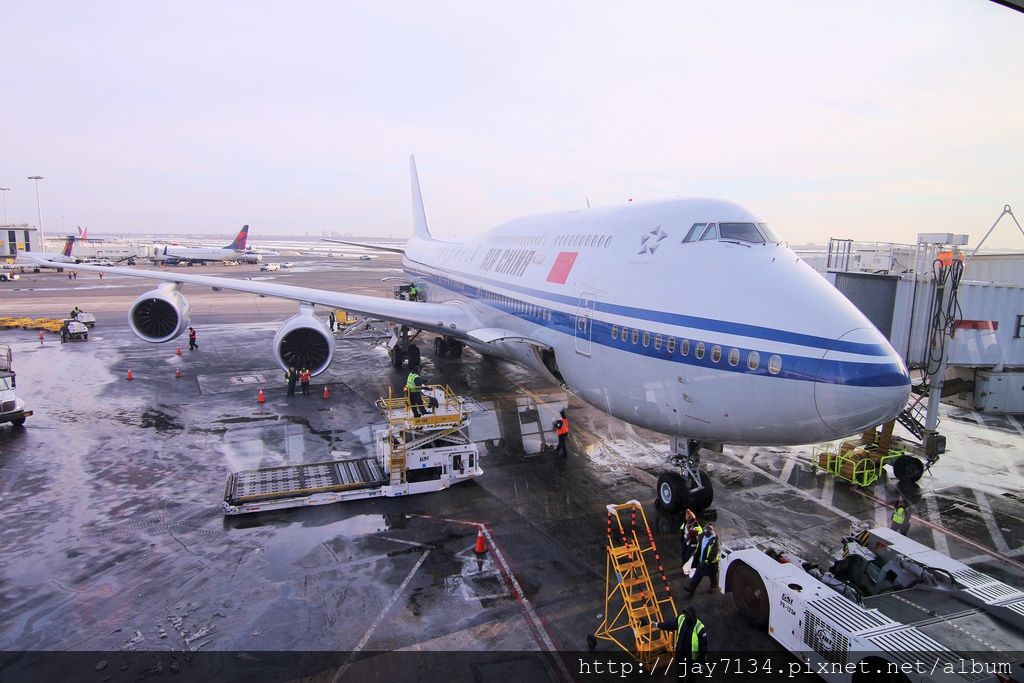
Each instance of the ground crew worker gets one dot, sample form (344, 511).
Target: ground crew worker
(413, 292)
(291, 377)
(691, 638)
(414, 385)
(304, 376)
(689, 535)
(74, 312)
(901, 513)
(331, 320)
(192, 346)
(562, 430)
(706, 561)
(64, 333)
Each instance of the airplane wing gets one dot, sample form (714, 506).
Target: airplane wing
(392, 250)
(452, 319)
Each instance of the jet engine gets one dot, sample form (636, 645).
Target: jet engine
(304, 342)
(160, 315)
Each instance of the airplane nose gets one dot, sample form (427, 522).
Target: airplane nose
(861, 382)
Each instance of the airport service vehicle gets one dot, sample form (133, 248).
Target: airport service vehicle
(889, 605)
(269, 267)
(414, 455)
(87, 319)
(614, 305)
(287, 264)
(12, 408)
(364, 257)
(6, 276)
(72, 330)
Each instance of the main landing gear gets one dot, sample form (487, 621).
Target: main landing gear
(690, 488)
(447, 346)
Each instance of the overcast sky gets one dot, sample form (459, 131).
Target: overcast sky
(874, 120)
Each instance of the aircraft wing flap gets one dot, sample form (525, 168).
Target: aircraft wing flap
(451, 319)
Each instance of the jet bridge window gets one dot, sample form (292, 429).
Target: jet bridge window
(743, 232)
(775, 364)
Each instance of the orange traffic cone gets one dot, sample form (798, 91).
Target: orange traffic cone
(327, 394)
(481, 545)
(177, 373)
(129, 376)
(260, 398)
(178, 352)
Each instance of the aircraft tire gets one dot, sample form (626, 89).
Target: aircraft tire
(673, 493)
(413, 353)
(440, 347)
(18, 422)
(397, 357)
(701, 500)
(907, 469)
(454, 348)
(748, 594)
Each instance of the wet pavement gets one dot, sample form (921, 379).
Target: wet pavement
(114, 539)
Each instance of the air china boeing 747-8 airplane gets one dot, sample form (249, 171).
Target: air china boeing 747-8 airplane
(688, 317)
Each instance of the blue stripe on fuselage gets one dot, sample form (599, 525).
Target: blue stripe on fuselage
(795, 367)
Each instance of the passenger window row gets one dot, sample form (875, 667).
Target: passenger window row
(519, 239)
(531, 310)
(583, 240)
(628, 335)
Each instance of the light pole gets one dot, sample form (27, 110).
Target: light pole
(4, 190)
(39, 210)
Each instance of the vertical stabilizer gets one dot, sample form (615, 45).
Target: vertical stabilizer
(240, 238)
(419, 216)
(68, 244)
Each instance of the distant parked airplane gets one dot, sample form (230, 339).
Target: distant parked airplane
(235, 251)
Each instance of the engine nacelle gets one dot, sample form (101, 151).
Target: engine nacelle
(160, 315)
(304, 342)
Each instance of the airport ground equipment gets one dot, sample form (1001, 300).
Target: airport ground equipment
(12, 408)
(632, 608)
(862, 463)
(888, 604)
(72, 330)
(42, 324)
(8, 276)
(413, 455)
(87, 319)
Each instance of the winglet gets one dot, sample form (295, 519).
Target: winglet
(419, 215)
(240, 238)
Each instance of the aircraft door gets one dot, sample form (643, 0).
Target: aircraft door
(584, 322)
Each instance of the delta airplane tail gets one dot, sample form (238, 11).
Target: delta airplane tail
(240, 238)
(68, 244)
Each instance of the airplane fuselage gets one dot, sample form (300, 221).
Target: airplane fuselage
(731, 338)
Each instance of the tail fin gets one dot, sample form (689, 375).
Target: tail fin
(240, 238)
(68, 244)
(82, 234)
(419, 216)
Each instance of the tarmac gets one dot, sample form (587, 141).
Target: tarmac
(115, 543)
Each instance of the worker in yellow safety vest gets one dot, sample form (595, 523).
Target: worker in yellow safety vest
(414, 385)
(691, 636)
(901, 516)
(705, 562)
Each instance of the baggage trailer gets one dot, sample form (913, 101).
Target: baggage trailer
(12, 408)
(889, 609)
(413, 455)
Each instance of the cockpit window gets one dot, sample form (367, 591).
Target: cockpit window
(695, 232)
(710, 233)
(744, 232)
(768, 233)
